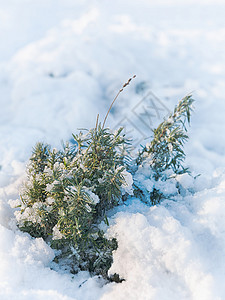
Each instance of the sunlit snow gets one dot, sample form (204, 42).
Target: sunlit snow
(61, 63)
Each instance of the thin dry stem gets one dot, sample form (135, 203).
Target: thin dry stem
(125, 84)
(96, 126)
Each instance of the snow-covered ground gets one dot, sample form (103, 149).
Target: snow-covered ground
(61, 63)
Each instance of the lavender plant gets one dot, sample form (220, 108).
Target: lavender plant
(68, 192)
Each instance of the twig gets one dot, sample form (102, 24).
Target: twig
(125, 84)
(96, 126)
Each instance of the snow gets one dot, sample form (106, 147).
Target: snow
(127, 186)
(62, 63)
(94, 198)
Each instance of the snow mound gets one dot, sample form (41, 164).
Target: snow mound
(171, 251)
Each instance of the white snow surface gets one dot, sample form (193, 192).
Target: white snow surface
(61, 63)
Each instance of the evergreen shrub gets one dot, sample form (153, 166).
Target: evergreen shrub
(68, 192)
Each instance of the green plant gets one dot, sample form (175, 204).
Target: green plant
(68, 192)
(165, 151)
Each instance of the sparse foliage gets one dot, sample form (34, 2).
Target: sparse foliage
(165, 151)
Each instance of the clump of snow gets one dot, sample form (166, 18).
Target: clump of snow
(172, 251)
(50, 200)
(127, 186)
(25, 272)
(95, 199)
(185, 180)
(57, 235)
(30, 214)
(5, 213)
